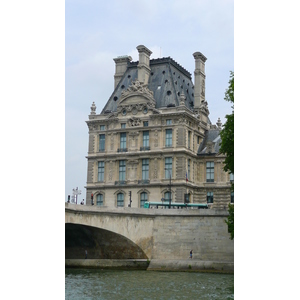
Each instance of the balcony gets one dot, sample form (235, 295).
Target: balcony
(122, 149)
(147, 181)
(120, 182)
(146, 148)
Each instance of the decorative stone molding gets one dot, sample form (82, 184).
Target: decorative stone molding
(156, 138)
(92, 126)
(204, 107)
(112, 140)
(155, 168)
(132, 169)
(110, 170)
(133, 121)
(138, 89)
(133, 140)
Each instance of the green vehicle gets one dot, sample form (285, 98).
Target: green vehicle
(166, 204)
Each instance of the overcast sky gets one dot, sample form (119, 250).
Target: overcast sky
(98, 31)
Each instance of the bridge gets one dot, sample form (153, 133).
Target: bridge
(151, 234)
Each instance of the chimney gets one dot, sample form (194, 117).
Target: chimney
(199, 77)
(144, 64)
(121, 67)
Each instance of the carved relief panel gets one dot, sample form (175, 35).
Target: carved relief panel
(111, 165)
(155, 168)
(112, 140)
(133, 140)
(132, 166)
(156, 138)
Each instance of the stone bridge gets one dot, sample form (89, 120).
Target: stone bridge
(135, 233)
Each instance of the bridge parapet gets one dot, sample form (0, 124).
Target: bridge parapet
(144, 212)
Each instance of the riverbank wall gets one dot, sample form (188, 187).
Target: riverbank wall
(186, 265)
(111, 264)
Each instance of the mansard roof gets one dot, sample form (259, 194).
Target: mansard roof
(213, 139)
(167, 81)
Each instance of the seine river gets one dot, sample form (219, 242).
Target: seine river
(106, 284)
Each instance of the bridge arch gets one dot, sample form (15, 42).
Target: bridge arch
(99, 243)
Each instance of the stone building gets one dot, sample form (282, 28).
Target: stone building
(153, 140)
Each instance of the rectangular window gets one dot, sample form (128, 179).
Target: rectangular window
(169, 122)
(198, 139)
(145, 124)
(189, 139)
(123, 140)
(122, 170)
(168, 167)
(210, 171)
(231, 177)
(101, 171)
(232, 197)
(168, 137)
(189, 170)
(102, 127)
(123, 125)
(101, 142)
(145, 169)
(210, 197)
(145, 138)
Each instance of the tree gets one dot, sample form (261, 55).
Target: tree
(229, 221)
(227, 133)
(227, 148)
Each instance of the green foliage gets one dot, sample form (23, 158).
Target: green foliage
(227, 133)
(230, 220)
(229, 94)
(227, 148)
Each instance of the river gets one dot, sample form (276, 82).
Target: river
(107, 284)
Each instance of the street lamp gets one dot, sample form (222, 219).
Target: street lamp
(170, 199)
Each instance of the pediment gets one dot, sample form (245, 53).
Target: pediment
(137, 93)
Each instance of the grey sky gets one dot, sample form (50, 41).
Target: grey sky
(98, 31)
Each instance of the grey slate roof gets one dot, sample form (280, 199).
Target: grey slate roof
(211, 135)
(167, 81)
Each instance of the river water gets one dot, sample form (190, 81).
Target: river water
(107, 284)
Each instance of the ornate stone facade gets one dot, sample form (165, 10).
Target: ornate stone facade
(152, 130)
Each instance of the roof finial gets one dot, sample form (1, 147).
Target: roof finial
(93, 109)
(182, 98)
(219, 123)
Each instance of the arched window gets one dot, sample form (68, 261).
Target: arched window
(144, 198)
(120, 200)
(99, 200)
(167, 196)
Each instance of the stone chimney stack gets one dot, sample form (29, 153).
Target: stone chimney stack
(199, 89)
(121, 67)
(144, 64)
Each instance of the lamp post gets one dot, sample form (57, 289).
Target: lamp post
(170, 199)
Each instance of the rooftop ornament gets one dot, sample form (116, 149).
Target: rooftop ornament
(93, 109)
